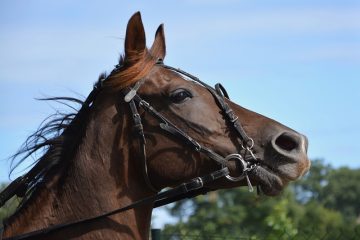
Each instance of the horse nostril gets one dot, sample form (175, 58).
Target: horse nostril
(287, 141)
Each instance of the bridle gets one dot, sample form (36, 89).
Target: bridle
(246, 162)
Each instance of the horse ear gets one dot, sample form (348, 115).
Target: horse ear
(135, 41)
(158, 49)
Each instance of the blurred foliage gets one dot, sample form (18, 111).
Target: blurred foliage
(10, 207)
(323, 205)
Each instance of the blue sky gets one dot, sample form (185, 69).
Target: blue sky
(295, 61)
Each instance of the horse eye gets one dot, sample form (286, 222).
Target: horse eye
(180, 95)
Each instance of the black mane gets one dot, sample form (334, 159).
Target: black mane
(56, 141)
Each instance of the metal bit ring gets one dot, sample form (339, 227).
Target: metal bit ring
(244, 164)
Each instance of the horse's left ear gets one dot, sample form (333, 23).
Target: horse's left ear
(158, 49)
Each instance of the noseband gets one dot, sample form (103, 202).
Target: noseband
(246, 161)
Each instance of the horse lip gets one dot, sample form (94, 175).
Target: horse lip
(270, 182)
(273, 187)
(270, 179)
(272, 170)
(269, 168)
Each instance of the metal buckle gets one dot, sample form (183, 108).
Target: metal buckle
(136, 115)
(131, 94)
(144, 103)
(201, 182)
(194, 184)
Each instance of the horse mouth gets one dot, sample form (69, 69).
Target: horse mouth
(269, 180)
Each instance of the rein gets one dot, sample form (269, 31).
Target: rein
(194, 187)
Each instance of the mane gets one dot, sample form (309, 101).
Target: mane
(57, 138)
(56, 141)
(131, 69)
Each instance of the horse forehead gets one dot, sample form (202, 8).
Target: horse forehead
(160, 78)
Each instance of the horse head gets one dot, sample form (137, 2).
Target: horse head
(277, 153)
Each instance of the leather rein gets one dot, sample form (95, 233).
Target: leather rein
(194, 187)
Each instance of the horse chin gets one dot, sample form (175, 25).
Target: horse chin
(269, 181)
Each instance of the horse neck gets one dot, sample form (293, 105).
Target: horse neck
(102, 176)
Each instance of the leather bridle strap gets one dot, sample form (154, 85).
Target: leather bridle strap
(162, 198)
(171, 128)
(166, 125)
(247, 142)
(139, 130)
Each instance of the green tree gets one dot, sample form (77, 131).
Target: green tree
(280, 222)
(336, 189)
(311, 186)
(342, 192)
(321, 206)
(10, 207)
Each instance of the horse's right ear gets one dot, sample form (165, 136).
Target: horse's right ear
(135, 42)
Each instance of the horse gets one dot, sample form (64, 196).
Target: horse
(148, 134)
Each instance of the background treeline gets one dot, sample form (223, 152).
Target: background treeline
(325, 204)
(9, 206)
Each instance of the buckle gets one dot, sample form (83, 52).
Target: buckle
(195, 184)
(131, 94)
